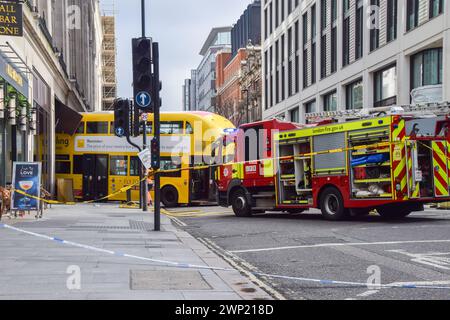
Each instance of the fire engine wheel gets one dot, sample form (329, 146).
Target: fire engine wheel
(239, 202)
(393, 213)
(332, 205)
(169, 197)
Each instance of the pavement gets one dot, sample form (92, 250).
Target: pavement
(33, 267)
(413, 251)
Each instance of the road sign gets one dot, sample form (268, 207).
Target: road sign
(143, 99)
(120, 132)
(146, 158)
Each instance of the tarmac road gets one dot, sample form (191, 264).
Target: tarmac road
(412, 251)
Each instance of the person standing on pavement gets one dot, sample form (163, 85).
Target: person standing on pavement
(150, 185)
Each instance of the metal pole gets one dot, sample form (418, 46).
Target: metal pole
(144, 127)
(157, 133)
(143, 17)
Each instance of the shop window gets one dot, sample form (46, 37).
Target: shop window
(435, 8)
(412, 14)
(426, 68)
(391, 33)
(354, 95)
(385, 82)
(330, 102)
(119, 166)
(295, 115)
(97, 127)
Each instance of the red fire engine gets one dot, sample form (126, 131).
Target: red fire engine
(350, 163)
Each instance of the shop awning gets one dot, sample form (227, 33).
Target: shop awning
(67, 119)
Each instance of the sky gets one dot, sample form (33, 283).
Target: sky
(180, 27)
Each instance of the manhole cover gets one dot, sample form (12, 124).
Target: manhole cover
(167, 280)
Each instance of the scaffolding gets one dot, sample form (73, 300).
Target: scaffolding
(109, 55)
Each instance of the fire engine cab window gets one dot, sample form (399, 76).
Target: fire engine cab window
(252, 144)
(119, 166)
(97, 128)
(175, 127)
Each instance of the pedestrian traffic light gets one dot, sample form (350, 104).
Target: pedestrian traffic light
(156, 161)
(142, 73)
(122, 118)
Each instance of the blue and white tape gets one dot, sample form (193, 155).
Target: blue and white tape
(199, 267)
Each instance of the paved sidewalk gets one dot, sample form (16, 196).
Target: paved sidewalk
(36, 268)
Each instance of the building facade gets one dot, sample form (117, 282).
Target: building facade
(247, 28)
(238, 71)
(47, 76)
(323, 55)
(202, 84)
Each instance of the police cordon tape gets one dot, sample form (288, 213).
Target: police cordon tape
(203, 167)
(181, 265)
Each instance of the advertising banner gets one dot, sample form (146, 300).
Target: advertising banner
(26, 178)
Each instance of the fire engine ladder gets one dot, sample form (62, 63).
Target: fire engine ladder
(425, 110)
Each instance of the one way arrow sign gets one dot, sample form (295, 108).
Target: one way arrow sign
(143, 99)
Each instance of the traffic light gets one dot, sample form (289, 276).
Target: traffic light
(142, 73)
(156, 161)
(122, 118)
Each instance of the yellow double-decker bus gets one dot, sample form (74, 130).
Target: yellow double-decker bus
(97, 163)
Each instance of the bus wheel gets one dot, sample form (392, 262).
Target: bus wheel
(393, 213)
(332, 205)
(239, 202)
(169, 197)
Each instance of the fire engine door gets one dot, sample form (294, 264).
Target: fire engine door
(440, 168)
(414, 174)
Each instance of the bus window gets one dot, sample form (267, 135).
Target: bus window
(135, 166)
(111, 126)
(171, 163)
(80, 129)
(173, 127)
(119, 166)
(77, 164)
(189, 128)
(97, 127)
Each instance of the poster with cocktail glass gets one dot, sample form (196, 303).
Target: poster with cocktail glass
(27, 179)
